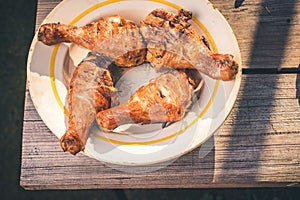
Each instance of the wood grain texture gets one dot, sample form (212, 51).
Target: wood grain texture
(258, 145)
(268, 31)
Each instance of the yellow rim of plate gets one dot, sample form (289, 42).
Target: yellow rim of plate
(65, 110)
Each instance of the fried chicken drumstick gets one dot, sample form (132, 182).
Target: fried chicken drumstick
(164, 99)
(113, 36)
(91, 90)
(173, 42)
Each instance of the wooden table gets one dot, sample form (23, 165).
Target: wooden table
(258, 146)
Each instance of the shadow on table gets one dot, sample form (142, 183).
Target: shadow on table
(268, 33)
(238, 3)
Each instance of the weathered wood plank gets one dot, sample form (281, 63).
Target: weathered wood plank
(258, 145)
(268, 31)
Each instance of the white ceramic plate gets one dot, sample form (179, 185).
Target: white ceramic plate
(50, 67)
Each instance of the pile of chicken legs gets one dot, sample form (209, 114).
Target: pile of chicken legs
(163, 39)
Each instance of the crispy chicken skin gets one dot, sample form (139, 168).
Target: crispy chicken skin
(173, 42)
(112, 36)
(91, 90)
(164, 99)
